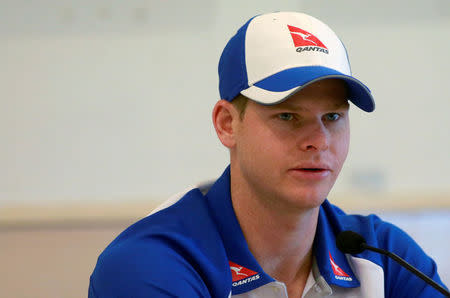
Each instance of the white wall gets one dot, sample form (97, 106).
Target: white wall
(106, 100)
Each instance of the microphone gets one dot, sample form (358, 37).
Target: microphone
(350, 242)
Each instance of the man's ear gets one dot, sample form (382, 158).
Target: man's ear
(223, 116)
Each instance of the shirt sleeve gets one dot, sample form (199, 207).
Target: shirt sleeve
(149, 268)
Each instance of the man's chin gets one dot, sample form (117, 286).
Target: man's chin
(305, 201)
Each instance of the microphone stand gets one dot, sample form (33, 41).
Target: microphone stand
(408, 266)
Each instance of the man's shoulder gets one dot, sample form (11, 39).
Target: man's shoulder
(177, 245)
(372, 227)
(385, 235)
(183, 227)
(177, 217)
(195, 194)
(377, 233)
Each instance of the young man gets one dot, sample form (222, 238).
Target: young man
(265, 228)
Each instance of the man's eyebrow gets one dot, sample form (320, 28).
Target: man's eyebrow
(343, 105)
(297, 107)
(286, 106)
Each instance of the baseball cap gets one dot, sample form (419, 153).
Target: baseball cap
(274, 55)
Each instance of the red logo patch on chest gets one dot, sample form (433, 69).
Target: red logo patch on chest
(238, 272)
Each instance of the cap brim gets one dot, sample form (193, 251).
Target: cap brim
(280, 86)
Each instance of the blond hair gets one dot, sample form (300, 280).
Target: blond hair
(240, 103)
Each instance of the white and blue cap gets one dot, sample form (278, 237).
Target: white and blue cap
(274, 55)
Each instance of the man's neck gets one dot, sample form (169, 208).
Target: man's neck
(280, 241)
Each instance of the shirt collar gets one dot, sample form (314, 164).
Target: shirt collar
(333, 264)
(246, 272)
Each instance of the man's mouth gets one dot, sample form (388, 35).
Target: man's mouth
(311, 172)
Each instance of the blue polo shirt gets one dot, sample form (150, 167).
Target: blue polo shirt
(193, 246)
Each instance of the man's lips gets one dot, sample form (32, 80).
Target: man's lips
(311, 171)
(312, 167)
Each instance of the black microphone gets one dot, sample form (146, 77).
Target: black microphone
(350, 242)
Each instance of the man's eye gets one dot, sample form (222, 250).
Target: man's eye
(332, 116)
(286, 116)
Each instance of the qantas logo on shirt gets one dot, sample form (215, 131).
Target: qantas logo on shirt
(338, 272)
(241, 275)
(305, 41)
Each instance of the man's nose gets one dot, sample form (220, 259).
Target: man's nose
(314, 136)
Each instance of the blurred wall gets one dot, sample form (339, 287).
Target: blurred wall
(111, 100)
(106, 107)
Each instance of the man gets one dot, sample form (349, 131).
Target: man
(265, 228)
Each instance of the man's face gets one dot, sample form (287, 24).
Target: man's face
(290, 154)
